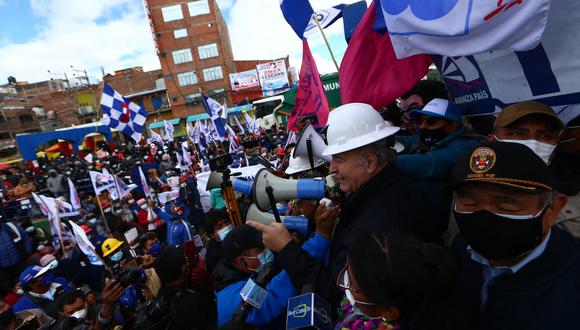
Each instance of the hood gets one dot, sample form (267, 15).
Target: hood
(225, 274)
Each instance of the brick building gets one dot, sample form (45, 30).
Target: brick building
(194, 50)
(17, 118)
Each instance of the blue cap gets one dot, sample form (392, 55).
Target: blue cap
(439, 108)
(31, 273)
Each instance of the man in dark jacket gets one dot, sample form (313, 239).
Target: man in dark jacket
(518, 270)
(380, 199)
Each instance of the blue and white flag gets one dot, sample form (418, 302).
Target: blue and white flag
(122, 115)
(121, 188)
(325, 17)
(462, 27)
(216, 114)
(168, 130)
(75, 201)
(298, 14)
(85, 244)
(155, 137)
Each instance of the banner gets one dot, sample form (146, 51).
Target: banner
(273, 77)
(458, 28)
(85, 244)
(488, 82)
(244, 80)
(101, 181)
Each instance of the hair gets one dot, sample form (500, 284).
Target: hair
(213, 217)
(169, 263)
(428, 90)
(397, 270)
(69, 298)
(148, 236)
(383, 149)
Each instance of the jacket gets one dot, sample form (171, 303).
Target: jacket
(431, 169)
(178, 230)
(55, 184)
(12, 253)
(189, 309)
(50, 307)
(230, 281)
(544, 294)
(386, 202)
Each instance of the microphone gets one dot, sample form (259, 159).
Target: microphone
(308, 311)
(253, 293)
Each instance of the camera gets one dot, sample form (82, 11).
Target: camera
(154, 314)
(127, 277)
(220, 163)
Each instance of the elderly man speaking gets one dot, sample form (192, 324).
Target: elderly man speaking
(379, 199)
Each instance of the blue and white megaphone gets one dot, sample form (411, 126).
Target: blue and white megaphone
(215, 180)
(298, 223)
(285, 189)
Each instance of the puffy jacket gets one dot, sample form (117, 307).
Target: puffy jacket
(431, 169)
(387, 201)
(230, 281)
(9, 250)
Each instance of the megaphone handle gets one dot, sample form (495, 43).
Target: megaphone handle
(270, 193)
(310, 153)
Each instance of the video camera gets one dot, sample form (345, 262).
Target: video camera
(220, 163)
(128, 276)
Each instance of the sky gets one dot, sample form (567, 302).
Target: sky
(61, 36)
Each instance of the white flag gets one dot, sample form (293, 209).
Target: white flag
(155, 137)
(168, 130)
(101, 181)
(74, 196)
(144, 185)
(85, 244)
(459, 28)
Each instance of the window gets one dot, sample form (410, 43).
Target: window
(187, 78)
(199, 7)
(214, 73)
(182, 56)
(217, 93)
(172, 13)
(181, 33)
(208, 51)
(192, 99)
(25, 119)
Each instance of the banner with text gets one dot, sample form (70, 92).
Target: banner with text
(244, 80)
(273, 77)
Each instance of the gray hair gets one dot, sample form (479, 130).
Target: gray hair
(384, 150)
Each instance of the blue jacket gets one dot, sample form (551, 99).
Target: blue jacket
(9, 255)
(178, 231)
(280, 288)
(431, 169)
(28, 302)
(544, 294)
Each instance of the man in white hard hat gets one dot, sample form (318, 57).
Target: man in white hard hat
(379, 199)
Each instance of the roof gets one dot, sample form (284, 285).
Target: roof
(159, 124)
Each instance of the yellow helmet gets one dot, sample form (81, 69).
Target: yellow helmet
(110, 245)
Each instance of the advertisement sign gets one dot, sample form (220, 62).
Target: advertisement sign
(244, 80)
(273, 77)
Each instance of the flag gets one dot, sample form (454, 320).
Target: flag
(325, 17)
(121, 188)
(251, 123)
(101, 181)
(43, 208)
(120, 114)
(457, 28)
(298, 14)
(370, 72)
(186, 155)
(310, 97)
(168, 130)
(85, 244)
(167, 196)
(240, 127)
(291, 139)
(155, 137)
(144, 185)
(216, 114)
(74, 196)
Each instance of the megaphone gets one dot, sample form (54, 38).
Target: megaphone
(285, 189)
(310, 144)
(215, 180)
(298, 223)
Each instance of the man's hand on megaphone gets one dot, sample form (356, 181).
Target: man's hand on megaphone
(275, 235)
(325, 219)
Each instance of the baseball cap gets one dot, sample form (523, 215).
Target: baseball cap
(86, 229)
(439, 108)
(516, 111)
(240, 239)
(511, 165)
(31, 273)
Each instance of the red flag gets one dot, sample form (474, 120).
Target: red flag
(310, 98)
(371, 73)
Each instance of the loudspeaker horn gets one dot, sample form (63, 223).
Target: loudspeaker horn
(215, 180)
(285, 189)
(298, 223)
(310, 144)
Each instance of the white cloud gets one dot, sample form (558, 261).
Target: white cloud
(79, 33)
(225, 4)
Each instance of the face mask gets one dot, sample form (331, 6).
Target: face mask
(39, 247)
(355, 309)
(499, 236)
(224, 232)
(144, 207)
(429, 137)
(155, 249)
(68, 172)
(92, 222)
(117, 256)
(543, 150)
(20, 291)
(131, 201)
(6, 317)
(53, 264)
(30, 229)
(265, 257)
(107, 210)
(80, 314)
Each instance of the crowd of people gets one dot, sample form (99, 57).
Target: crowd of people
(432, 221)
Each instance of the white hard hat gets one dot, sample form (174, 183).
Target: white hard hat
(299, 164)
(354, 125)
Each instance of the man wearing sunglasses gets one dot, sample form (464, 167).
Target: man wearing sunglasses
(429, 155)
(518, 271)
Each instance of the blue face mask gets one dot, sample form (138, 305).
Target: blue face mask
(265, 257)
(117, 256)
(224, 232)
(155, 249)
(92, 222)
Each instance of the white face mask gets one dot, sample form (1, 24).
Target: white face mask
(543, 150)
(144, 207)
(80, 314)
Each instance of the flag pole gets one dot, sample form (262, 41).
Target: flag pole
(57, 203)
(103, 213)
(325, 41)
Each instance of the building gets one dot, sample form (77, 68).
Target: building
(195, 52)
(17, 118)
(247, 95)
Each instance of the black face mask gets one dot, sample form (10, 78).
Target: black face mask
(498, 237)
(429, 137)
